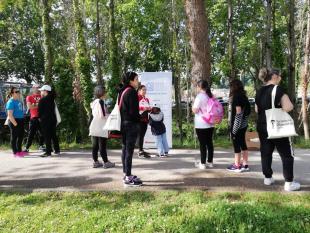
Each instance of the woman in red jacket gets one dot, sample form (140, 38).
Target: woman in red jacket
(144, 109)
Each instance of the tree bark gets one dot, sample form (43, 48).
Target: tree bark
(268, 33)
(305, 77)
(99, 49)
(199, 40)
(232, 71)
(47, 34)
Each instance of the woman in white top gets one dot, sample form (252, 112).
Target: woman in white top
(98, 134)
(203, 129)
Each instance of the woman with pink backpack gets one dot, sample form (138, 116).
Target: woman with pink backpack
(208, 112)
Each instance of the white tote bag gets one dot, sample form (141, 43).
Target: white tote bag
(114, 120)
(279, 123)
(58, 117)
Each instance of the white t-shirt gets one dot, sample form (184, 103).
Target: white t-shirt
(201, 101)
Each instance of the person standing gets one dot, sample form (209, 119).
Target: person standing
(98, 134)
(130, 119)
(272, 78)
(48, 120)
(203, 130)
(240, 111)
(144, 109)
(34, 124)
(15, 112)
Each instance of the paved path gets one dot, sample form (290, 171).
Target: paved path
(72, 171)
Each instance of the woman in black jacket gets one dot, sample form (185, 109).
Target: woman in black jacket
(48, 120)
(129, 109)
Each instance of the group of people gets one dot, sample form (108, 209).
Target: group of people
(43, 120)
(137, 113)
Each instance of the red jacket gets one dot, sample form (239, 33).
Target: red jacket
(144, 104)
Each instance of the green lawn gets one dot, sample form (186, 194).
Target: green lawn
(167, 211)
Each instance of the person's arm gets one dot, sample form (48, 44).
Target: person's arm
(31, 106)
(11, 117)
(238, 120)
(286, 103)
(195, 107)
(133, 102)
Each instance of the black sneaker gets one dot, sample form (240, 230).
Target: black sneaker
(143, 155)
(57, 153)
(45, 155)
(245, 168)
(97, 164)
(132, 181)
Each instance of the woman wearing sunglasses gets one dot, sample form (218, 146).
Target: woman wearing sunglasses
(15, 112)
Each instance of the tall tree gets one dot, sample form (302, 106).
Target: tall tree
(232, 71)
(176, 67)
(291, 50)
(99, 49)
(47, 32)
(268, 33)
(199, 40)
(306, 76)
(114, 53)
(82, 59)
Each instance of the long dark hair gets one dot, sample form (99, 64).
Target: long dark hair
(204, 85)
(128, 76)
(11, 92)
(265, 74)
(236, 87)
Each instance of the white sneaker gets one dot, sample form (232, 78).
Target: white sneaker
(201, 166)
(210, 165)
(268, 181)
(291, 186)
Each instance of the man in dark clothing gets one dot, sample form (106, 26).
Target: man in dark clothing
(48, 120)
(129, 109)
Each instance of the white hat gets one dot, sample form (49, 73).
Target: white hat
(155, 106)
(45, 88)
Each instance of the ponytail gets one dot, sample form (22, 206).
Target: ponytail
(265, 74)
(203, 84)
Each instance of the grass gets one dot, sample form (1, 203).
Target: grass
(168, 211)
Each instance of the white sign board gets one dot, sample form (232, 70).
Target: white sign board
(159, 91)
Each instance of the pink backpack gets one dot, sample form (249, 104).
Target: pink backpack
(213, 113)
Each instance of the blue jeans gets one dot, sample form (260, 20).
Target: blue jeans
(162, 144)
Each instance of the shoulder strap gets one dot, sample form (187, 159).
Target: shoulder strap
(121, 99)
(273, 95)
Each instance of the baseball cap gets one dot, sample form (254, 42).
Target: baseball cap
(45, 88)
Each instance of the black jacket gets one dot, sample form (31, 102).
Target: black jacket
(46, 110)
(130, 105)
(157, 123)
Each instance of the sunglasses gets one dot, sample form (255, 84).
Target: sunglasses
(17, 92)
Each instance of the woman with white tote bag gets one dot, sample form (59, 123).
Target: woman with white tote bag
(98, 134)
(270, 97)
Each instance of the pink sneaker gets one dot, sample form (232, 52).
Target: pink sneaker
(19, 155)
(24, 153)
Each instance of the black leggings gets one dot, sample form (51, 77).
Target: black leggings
(17, 135)
(49, 133)
(205, 137)
(142, 132)
(129, 138)
(285, 150)
(239, 141)
(34, 127)
(99, 144)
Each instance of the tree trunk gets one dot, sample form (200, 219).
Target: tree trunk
(199, 40)
(232, 71)
(47, 34)
(305, 77)
(82, 59)
(99, 50)
(176, 69)
(268, 33)
(114, 54)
